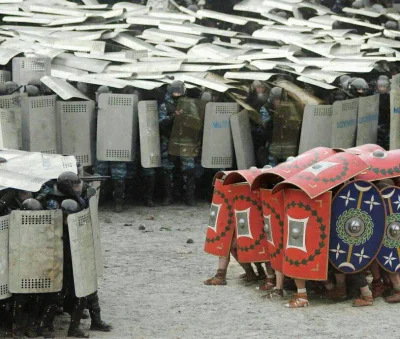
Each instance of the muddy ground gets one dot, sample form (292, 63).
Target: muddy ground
(152, 288)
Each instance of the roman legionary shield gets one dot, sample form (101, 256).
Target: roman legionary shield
(221, 225)
(80, 229)
(306, 235)
(149, 131)
(389, 255)
(75, 129)
(26, 69)
(357, 226)
(367, 148)
(36, 251)
(367, 126)
(4, 226)
(273, 214)
(382, 165)
(186, 133)
(39, 127)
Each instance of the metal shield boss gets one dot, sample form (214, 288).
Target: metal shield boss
(306, 235)
(273, 214)
(252, 244)
(389, 255)
(357, 226)
(221, 224)
(4, 281)
(36, 251)
(83, 253)
(187, 130)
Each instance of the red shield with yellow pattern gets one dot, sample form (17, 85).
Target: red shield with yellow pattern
(273, 214)
(221, 225)
(252, 245)
(382, 165)
(306, 235)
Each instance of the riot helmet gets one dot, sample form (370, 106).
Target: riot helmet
(359, 87)
(339, 95)
(70, 206)
(69, 184)
(206, 96)
(391, 24)
(11, 86)
(31, 205)
(258, 87)
(103, 90)
(344, 79)
(177, 89)
(32, 91)
(82, 87)
(275, 95)
(383, 84)
(193, 8)
(3, 89)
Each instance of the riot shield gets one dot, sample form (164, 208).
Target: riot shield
(39, 128)
(395, 119)
(367, 126)
(217, 151)
(8, 129)
(242, 140)
(80, 229)
(4, 283)
(14, 102)
(286, 131)
(317, 127)
(149, 131)
(75, 129)
(395, 82)
(344, 123)
(117, 123)
(5, 76)
(94, 213)
(26, 69)
(187, 129)
(36, 251)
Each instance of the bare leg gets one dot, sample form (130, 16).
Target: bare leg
(220, 277)
(301, 298)
(395, 297)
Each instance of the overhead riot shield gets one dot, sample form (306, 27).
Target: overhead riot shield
(317, 127)
(358, 225)
(217, 151)
(36, 251)
(344, 123)
(149, 131)
(14, 102)
(389, 255)
(4, 281)
(394, 119)
(25, 69)
(368, 114)
(8, 129)
(286, 131)
(39, 127)
(187, 130)
(75, 129)
(117, 124)
(5, 76)
(242, 140)
(98, 251)
(80, 229)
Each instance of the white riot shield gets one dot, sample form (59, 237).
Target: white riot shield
(98, 251)
(316, 130)
(395, 82)
(26, 69)
(395, 119)
(367, 122)
(217, 151)
(242, 140)
(75, 129)
(39, 127)
(14, 102)
(117, 123)
(8, 129)
(36, 251)
(83, 255)
(5, 76)
(4, 283)
(344, 123)
(149, 131)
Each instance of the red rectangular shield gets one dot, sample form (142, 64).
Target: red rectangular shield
(306, 235)
(221, 225)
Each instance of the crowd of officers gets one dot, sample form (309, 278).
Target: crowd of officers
(32, 315)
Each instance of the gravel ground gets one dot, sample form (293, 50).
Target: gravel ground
(152, 288)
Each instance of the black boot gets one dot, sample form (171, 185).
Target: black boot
(119, 189)
(46, 327)
(190, 188)
(18, 316)
(76, 316)
(167, 184)
(149, 183)
(95, 315)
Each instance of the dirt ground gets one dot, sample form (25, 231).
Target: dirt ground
(152, 288)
